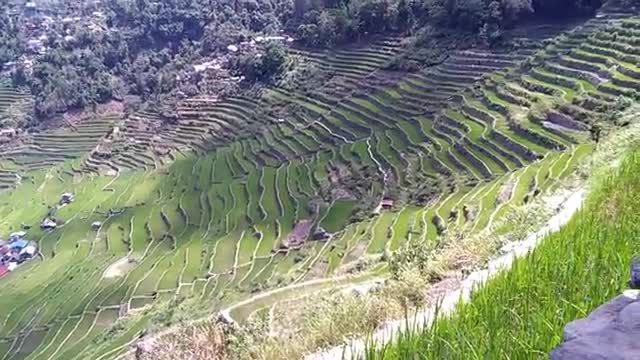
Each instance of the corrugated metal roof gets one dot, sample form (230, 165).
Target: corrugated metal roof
(19, 244)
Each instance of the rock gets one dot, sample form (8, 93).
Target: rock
(453, 215)
(610, 332)
(320, 235)
(359, 291)
(634, 278)
(441, 227)
(469, 212)
(143, 348)
(224, 317)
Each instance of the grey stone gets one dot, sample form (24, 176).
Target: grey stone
(634, 276)
(610, 332)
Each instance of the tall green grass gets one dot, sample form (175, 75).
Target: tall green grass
(521, 313)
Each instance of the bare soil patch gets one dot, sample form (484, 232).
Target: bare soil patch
(120, 268)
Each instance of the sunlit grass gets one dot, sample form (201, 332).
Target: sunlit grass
(521, 313)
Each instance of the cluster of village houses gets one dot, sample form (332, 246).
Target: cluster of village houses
(50, 224)
(219, 62)
(15, 251)
(40, 23)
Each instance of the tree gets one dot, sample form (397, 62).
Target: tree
(300, 7)
(166, 108)
(263, 66)
(469, 14)
(10, 38)
(596, 133)
(274, 60)
(327, 32)
(405, 20)
(439, 12)
(374, 16)
(512, 10)
(491, 30)
(18, 115)
(143, 52)
(560, 8)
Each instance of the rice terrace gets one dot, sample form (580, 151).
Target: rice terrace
(269, 193)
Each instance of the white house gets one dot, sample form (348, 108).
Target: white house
(29, 250)
(48, 224)
(17, 235)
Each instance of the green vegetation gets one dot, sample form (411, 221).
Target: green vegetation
(11, 42)
(139, 52)
(338, 215)
(521, 312)
(333, 22)
(213, 209)
(144, 52)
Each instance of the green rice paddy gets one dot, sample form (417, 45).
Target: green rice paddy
(206, 220)
(522, 311)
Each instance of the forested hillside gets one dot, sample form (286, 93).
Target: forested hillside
(144, 51)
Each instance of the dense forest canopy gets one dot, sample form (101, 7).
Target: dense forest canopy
(328, 24)
(146, 50)
(9, 37)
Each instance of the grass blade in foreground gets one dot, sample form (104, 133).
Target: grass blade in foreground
(520, 314)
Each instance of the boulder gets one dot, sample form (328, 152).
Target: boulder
(610, 332)
(634, 276)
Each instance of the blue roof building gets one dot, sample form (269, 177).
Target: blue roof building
(19, 244)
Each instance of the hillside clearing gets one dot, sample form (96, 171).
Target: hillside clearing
(119, 268)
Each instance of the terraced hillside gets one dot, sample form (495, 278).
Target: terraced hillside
(8, 95)
(205, 124)
(225, 204)
(46, 148)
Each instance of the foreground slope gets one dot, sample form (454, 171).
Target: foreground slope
(522, 312)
